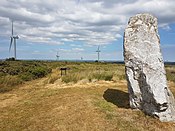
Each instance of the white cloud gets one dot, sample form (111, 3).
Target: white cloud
(64, 50)
(165, 27)
(78, 49)
(168, 46)
(94, 22)
(36, 52)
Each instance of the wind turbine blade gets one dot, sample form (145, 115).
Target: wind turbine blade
(15, 48)
(11, 41)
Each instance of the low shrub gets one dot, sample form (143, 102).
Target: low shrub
(103, 76)
(13, 70)
(13, 73)
(26, 76)
(72, 78)
(38, 72)
(8, 83)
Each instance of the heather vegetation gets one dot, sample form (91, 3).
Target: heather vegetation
(13, 73)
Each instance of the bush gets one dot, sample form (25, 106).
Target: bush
(13, 70)
(38, 72)
(26, 76)
(10, 59)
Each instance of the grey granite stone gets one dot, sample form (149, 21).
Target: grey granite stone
(146, 76)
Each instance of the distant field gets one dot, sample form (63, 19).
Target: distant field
(14, 73)
(91, 97)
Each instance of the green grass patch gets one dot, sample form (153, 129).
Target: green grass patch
(104, 105)
(102, 76)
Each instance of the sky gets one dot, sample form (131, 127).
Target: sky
(75, 28)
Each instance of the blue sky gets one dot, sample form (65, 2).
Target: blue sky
(75, 28)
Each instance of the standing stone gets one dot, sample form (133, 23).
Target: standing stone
(144, 66)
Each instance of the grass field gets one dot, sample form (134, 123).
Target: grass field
(91, 97)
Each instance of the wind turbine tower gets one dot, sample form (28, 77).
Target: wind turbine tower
(13, 41)
(98, 53)
(57, 56)
(81, 58)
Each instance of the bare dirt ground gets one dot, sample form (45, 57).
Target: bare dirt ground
(95, 106)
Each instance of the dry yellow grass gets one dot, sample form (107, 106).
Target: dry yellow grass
(95, 106)
(55, 75)
(84, 106)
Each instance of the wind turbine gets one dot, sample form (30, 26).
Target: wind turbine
(13, 41)
(57, 56)
(98, 53)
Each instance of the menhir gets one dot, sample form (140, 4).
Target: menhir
(144, 66)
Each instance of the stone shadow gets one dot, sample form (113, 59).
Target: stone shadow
(117, 97)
